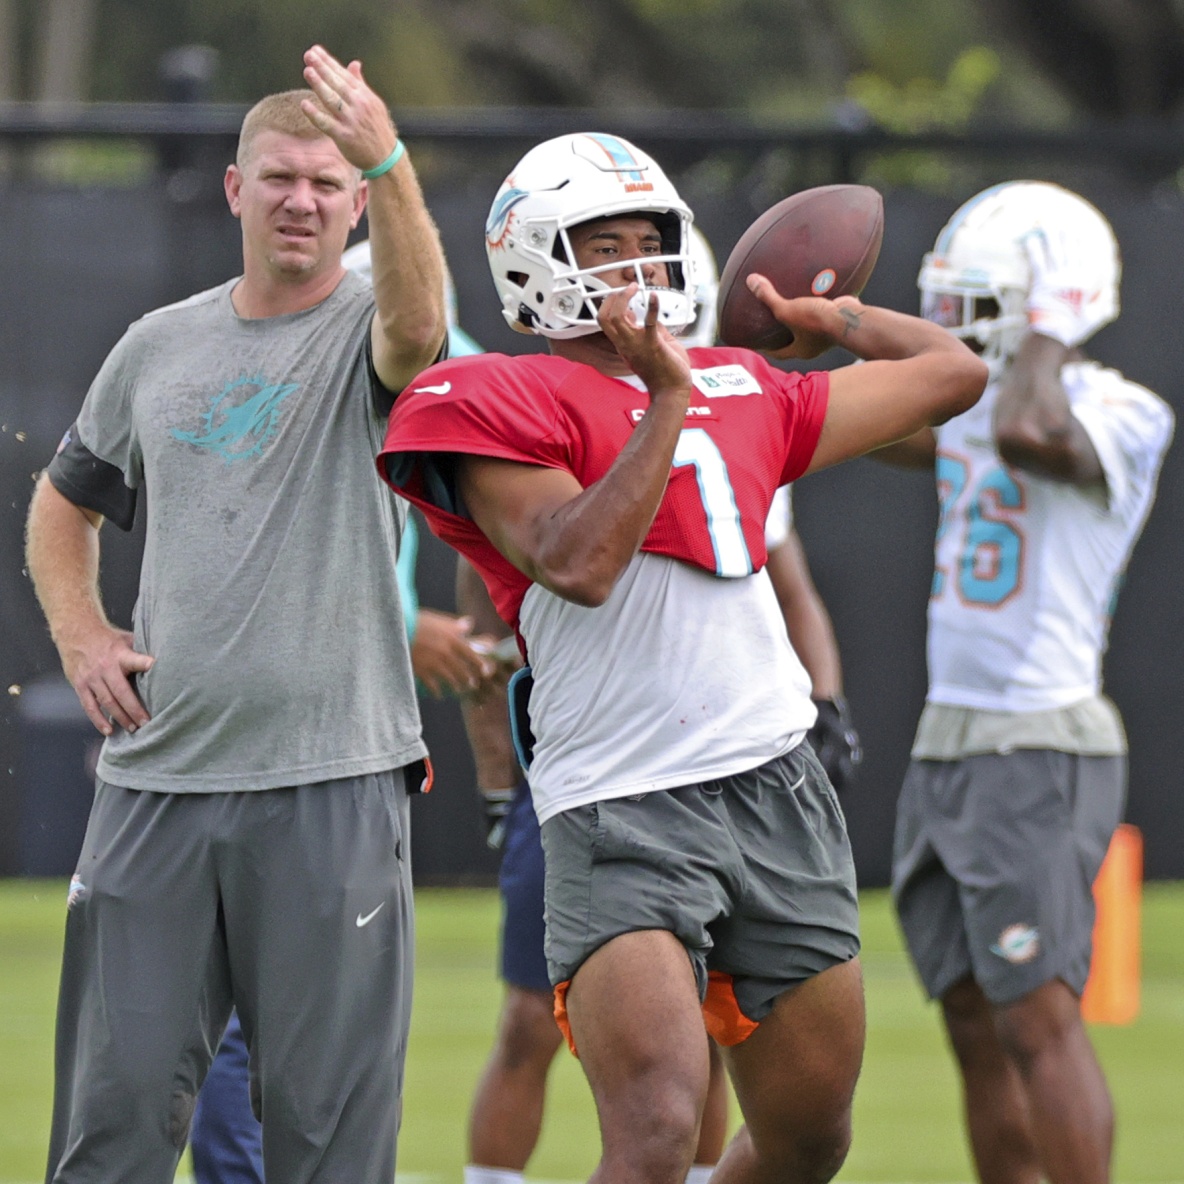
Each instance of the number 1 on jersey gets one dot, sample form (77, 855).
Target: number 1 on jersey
(695, 447)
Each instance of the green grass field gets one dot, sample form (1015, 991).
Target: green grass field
(907, 1124)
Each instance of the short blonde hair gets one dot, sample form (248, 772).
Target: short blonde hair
(277, 113)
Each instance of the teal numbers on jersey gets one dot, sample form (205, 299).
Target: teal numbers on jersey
(989, 570)
(951, 481)
(695, 447)
(989, 564)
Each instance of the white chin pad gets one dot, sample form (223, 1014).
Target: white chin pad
(675, 309)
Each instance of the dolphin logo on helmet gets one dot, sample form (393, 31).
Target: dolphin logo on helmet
(498, 222)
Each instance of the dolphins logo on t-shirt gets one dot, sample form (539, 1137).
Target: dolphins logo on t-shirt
(242, 419)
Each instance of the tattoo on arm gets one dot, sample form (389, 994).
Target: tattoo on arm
(852, 319)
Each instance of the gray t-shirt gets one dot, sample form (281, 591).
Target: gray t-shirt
(268, 594)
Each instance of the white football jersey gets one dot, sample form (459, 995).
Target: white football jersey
(1027, 569)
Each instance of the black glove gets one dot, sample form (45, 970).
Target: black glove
(835, 741)
(497, 806)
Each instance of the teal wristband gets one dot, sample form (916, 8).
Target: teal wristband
(388, 164)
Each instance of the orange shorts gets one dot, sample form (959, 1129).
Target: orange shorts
(726, 1024)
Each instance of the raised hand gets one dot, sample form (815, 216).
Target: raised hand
(352, 115)
(1063, 286)
(647, 347)
(817, 323)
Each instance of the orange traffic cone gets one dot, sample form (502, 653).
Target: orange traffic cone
(1112, 993)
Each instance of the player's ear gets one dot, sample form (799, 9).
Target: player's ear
(232, 183)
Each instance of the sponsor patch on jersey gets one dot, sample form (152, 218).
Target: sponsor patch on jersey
(694, 414)
(721, 382)
(1017, 944)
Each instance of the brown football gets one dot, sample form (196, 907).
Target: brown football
(819, 242)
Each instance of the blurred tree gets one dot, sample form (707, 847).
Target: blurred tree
(923, 103)
(775, 58)
(1111, 57)
(617, 54)
(259, 42)
(607, 53)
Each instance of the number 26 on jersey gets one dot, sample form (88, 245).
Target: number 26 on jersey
(980, 543)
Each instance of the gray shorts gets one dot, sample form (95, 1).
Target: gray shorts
(293, 904)
(994, 862)
(752, 873)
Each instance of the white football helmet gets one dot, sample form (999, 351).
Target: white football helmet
(1020, 254)
(560, 184)
(701, 331)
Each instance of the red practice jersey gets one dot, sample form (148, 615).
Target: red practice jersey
(749, 429)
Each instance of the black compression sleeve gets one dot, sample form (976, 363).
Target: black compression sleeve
(82, 478)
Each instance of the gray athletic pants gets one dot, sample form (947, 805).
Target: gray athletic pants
(292, 904)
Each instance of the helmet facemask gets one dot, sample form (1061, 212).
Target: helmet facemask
(558, 186)
(991, 319)
(676, 305)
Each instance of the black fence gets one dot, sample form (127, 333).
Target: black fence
(79, 263)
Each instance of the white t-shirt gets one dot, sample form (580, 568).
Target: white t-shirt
(704, 684)
(1027, 569)
(779, 522)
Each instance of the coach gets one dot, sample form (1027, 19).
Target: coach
(248, 840)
